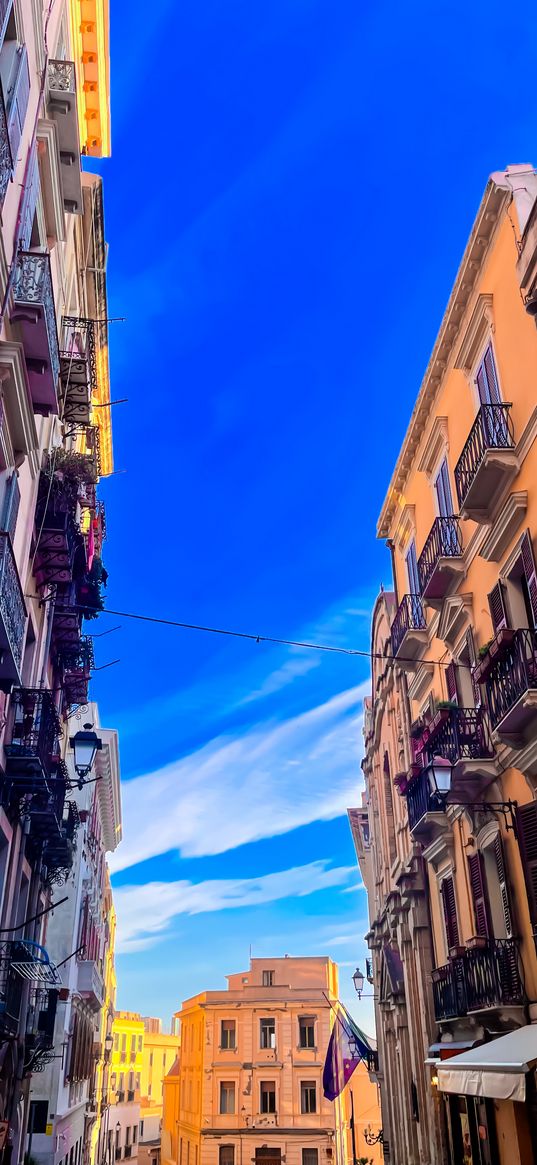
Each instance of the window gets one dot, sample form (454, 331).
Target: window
(116, 1042)
(133, 1047)
(306, 1031)
(141, 1129)
(150, 1059)
(487, 380)
(310, 1157)
(412, 570)
(164, 1059)
(38, 1116)
(268, 978)
(227, 1096)
(443, 491)
(139, 1043)
(267, 1033)
(308, 1096)
(226, 1155)
(227, 1033)
(449, 906)
(479, 894)
(267, 1096)
(134, 1134)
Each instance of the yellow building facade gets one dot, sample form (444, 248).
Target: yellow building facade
(250, 1071)
(447, 835)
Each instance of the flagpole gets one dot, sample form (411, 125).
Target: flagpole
(353, 1135)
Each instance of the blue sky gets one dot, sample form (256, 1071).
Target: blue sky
(291, 188)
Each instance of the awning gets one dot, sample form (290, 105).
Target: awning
(497, 1069)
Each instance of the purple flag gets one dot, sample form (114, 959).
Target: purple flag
(348, 1045)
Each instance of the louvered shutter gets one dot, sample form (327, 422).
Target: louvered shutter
(498, 610)
(30, 201)
(450, 912)
(451, 683)
(479, 895)
(492, 376)
(504, 889)
(10, 509)
(472, 659)
(528, 562)
(17, 101)
(526, 823)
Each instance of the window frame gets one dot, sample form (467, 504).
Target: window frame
(227, 1087)
(270, 1091)
(268, 1019)
(231, 1031)
(267, 978)
(306, 1087)
(305, 1022)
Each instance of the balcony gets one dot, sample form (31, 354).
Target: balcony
(59, 844)
(21, 962)
(462, 736)
(40, 1023)
(60, 553)
(32, 739)
(409, 629)
(6, 162)
(91, 984)
(440, 562)
(78, 370)
(66, 619)
(34, 312)
(76, 663)
(487, 461)
(481, 979)
(425, 813)
(510, 676)
(12, 616)
(62, 107)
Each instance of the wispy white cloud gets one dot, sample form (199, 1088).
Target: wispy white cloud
(145, 912)
(271, 779)
(292, 669)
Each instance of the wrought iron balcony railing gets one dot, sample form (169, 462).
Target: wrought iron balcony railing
(444, 541)
(6, 161)
(40, 1023)
(32, 745)
(458, 734)
(419, 799)
(76, 663)
(483, 977)
(492, 429)
(410, 617)
(512, 673)
(34, 311)
(21, 961)
(449, 990)
(78, 369)
(12, 614)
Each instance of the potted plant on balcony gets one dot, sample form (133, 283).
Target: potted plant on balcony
(477, 942)
(456, 952)
(490, 652)
(401, 783)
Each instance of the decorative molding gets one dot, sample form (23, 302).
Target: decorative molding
(436, 444)
(17, 404)
(51, 185)
(456, 611)
(421, 681)
(505, 526)
(497, 193)
(486, 834)
(406, 528)
(527, 437)
(440, 853)
(481, 322)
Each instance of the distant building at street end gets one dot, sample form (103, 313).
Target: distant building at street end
(247, 1086)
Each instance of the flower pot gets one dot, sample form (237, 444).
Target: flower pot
(477, 942)
(456, 952)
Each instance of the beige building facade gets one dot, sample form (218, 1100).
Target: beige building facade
(250, 1069)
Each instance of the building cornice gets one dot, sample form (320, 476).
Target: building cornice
(483, 231)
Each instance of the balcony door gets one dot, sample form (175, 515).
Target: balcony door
(412, 570)
(494, 419)
(448, 534)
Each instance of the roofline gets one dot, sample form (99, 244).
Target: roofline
(497, 192)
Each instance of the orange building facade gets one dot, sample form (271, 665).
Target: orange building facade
(248, 1082)
(447, 836)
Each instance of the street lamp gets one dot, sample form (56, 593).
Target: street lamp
(372, 1138)
(439, 773)
(85, 745)
(108, 1045)
(358, 981)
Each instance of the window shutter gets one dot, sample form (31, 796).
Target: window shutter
(30, 200)
(472, 659)
(504, 889)
(17, 102)
(479, 895)
(528, 562)
(451, 682)
(450, 912)
(10, 510)
(498, 610)
(492, 376)
(526, 824)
